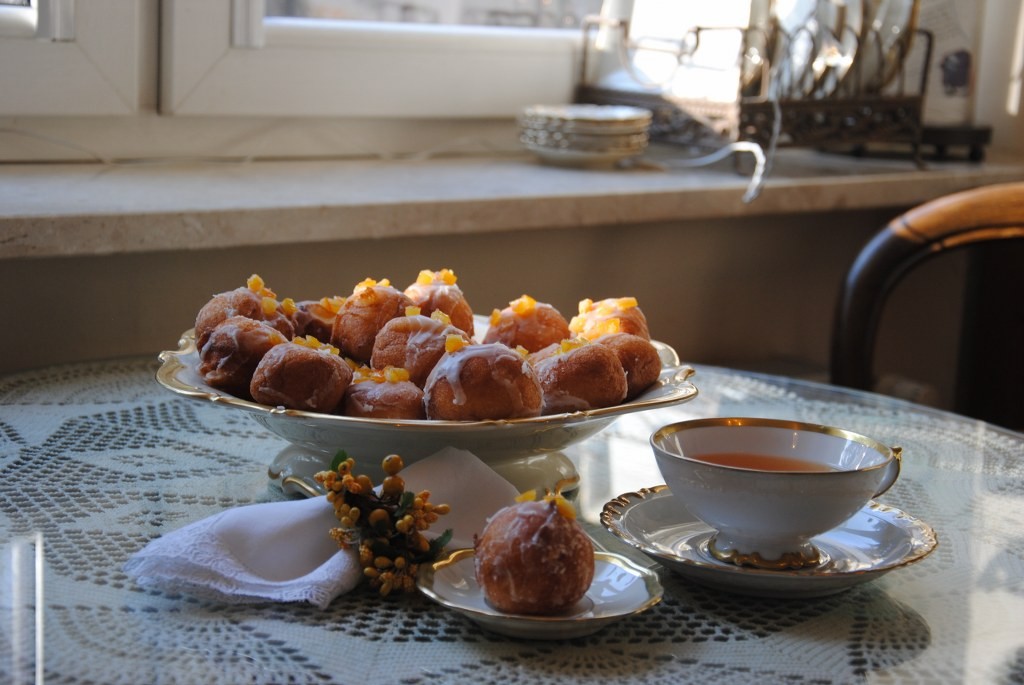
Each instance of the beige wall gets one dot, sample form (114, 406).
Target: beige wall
(748, 293)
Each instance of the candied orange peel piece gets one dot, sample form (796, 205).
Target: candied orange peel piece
(607, 307)
(256, 284)
(389, 374)
(438, 315)
(313, 343)
(268, 305)
(412, 310)
(523, 305)
(369, 283)
(562, 505)
(442, 277)
(360, 374)
(570, 344)
(288, 306)
(627, 302)
(453, 342)
(606, 327)
(333, 304)
(394, 374)
(528, 496)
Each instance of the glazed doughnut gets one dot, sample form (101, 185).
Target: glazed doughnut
(383, 394)
(437, 291)
(527, 323)
(534, 558)
(639, 359)
(254, 301)
(316, 317)
(302, 374)
(475, 382)
(578, 375)
(363, 314)
(613, 315)
(232, 351)
(414, 343)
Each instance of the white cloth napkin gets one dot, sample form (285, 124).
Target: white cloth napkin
(281, 551)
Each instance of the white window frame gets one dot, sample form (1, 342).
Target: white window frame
(221, 57)
(80, 58)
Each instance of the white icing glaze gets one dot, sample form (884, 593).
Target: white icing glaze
(449, 368)
(244, 338)
(424, 333)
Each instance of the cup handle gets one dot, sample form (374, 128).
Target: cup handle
(892, 471)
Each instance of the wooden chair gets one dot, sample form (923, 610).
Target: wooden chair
(969, 218)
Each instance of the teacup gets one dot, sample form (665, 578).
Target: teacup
(768, 486)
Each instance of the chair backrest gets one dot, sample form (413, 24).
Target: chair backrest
(966, 218)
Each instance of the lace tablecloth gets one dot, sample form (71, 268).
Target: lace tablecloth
(96, 460)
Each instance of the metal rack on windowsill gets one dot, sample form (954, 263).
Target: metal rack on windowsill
(847, 119)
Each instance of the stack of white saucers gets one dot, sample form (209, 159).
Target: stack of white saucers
(584, 135)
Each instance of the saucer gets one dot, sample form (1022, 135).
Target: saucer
(872, 542)
(620, 589)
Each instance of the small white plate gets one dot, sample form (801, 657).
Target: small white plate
(876, 540)
(582, 158)
(606, 117)
(620, 589)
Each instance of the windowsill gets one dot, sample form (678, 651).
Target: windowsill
(83, 209)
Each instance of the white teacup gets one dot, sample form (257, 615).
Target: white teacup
(768, 486)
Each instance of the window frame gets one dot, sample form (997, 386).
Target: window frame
(225, 58)
(85, 60)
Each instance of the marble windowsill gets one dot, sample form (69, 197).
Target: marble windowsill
(80, 209)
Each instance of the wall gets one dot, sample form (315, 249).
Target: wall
(754, 293)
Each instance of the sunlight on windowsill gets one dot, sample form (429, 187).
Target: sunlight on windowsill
(82, 209)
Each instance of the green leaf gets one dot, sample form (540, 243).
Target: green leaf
(341, 456)
(438, 543)
(404, 503)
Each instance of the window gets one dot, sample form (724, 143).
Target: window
(566, 14)
(81, 79)
(223, 58)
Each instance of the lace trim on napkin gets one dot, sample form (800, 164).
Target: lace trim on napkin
(197, 561)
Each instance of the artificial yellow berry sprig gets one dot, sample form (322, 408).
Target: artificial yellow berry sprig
(387, 525)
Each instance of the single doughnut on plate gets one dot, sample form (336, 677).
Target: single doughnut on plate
(577, 375)
(527, 323)
(232, 351)
(362, 315)
(477, 382)
(303, 374)
(437, 291)
(534, 558)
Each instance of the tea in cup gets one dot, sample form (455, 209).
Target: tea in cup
(767, 486)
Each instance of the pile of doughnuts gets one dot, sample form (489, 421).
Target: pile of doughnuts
(387, 353)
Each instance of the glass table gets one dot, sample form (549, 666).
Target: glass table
(96, 459)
